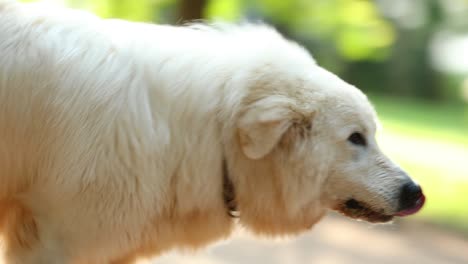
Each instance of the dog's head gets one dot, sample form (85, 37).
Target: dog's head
(306, 143)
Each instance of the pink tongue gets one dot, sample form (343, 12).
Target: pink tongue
(419, 204)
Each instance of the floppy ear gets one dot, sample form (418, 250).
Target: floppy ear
(263, 124)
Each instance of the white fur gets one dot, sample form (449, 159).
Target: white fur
(112, 135)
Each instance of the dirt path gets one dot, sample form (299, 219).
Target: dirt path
(337, 240)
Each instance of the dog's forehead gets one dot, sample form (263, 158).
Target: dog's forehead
(347, 107)
(361, 113)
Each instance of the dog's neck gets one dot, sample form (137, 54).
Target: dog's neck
(229, 192)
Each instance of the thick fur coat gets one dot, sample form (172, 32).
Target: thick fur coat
(113, 137)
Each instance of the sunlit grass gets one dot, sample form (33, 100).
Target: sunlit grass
(446, 123)
(431, 143)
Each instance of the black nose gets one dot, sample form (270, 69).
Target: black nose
(410, 194)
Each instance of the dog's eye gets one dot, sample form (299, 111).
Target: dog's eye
(357, 139)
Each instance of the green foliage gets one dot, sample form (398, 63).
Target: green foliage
(363, 34)
(136, 10)
(227, 10)
(354, 26)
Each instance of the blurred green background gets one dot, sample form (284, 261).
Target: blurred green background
(409, 56)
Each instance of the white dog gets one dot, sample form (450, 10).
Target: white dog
(120, 140)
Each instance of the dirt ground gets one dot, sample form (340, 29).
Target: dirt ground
(337, 240)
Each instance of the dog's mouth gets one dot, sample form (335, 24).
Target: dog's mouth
(360, 210)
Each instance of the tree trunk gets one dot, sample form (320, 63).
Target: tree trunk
(191, 10)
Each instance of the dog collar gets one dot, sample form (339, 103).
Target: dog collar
(229, 193)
